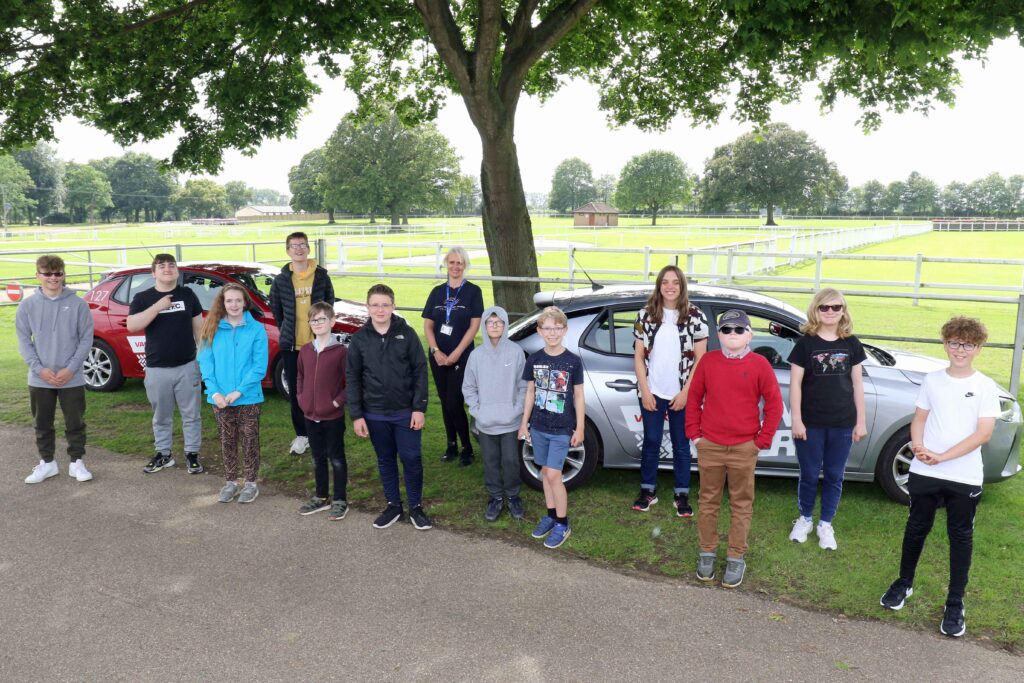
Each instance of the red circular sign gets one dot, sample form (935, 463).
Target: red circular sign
(14, 291)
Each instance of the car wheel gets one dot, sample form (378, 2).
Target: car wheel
(579, 465)
(280, 381)
(102, 370)
(893, 468)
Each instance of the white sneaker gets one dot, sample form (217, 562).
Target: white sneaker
(44, 470)
(801, 527)
(826, 536)
(78, 470)
(300, 445)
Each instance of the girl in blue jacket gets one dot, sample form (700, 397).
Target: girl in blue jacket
(233, 361)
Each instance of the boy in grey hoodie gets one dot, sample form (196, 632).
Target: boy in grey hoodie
(494, 390)
(54, 337)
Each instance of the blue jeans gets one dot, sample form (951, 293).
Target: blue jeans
(392, 438)
(654, 428)
(825, 449)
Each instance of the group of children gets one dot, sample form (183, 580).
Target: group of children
(727, 402)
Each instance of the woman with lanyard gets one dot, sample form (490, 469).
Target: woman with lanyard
(451, 318)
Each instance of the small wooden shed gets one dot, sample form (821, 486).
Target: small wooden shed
(595, 215)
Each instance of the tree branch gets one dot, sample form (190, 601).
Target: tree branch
(447, 39)
(487, 32)
(518, 58)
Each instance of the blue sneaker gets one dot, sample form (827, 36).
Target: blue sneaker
(544, 527)
(558, 534)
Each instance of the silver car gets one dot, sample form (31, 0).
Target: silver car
(601, 333)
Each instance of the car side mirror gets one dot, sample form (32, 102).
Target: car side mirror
(780, 330)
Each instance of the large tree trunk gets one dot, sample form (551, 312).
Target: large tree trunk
(508, 232)
(771, 215)
(330, 216)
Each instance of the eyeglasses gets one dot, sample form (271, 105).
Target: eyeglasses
(298, 245)
(319, 321)
(966, 346)
(551, 330)
(835, 308)
(56, 273)
(380, 307)
(495, 323)
(729, 329)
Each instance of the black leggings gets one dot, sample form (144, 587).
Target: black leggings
(448, 379)
(927, 494)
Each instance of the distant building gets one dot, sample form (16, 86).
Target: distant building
(253, 211)
(595, 215)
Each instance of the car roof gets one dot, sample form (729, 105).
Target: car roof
(224, 267)
(571, 301)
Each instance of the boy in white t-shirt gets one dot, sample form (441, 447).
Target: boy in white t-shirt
(956, 413)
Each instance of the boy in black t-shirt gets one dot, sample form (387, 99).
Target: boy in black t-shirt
(553, 419)
(171, 316)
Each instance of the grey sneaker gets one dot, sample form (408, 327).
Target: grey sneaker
(706, 566)
(315, 504)
(734, 570)
(227, 493)
(339, 509)
(249, 492)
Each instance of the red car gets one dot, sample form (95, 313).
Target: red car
(116, 353)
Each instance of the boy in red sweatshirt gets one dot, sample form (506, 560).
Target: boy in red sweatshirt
(723, 419)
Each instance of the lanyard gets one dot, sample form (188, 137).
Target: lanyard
(449, 302)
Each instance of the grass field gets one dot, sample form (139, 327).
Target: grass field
(869, 526)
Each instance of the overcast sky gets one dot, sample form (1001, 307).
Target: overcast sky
(980, 135)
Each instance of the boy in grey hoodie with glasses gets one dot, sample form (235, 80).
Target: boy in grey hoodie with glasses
(495, 390)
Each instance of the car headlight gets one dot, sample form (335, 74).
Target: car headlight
(1009, 410)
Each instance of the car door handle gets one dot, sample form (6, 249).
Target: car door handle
(621, 385)
(122, 323)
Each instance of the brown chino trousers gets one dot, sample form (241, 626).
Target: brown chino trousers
(718, 464)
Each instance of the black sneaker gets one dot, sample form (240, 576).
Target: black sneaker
(159, 462)
(515, 507)
(897, 594)
(682, 503)
(494, 506)
(644, 501)
(450, 453)
(392, 513)
(419, 519)
(194, 466)
(466, 458)
(953, 624)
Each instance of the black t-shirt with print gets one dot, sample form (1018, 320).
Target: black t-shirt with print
(827, 399)
(169, 340)
(554, 378)
(468, 304)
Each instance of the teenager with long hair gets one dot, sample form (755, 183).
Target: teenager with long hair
(826, 402)
(671, 337)
(233, 361)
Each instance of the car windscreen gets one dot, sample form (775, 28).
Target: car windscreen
(253, 285)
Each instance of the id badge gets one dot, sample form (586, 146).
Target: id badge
(446, 329)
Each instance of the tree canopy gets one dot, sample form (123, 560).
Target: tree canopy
(572, 186)
(229, 73)
(15, 186)
(775, 166)
(88, 192)
(653, 181)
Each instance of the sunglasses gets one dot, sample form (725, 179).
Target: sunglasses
(55, 273)
(835, 308)
(729, 329)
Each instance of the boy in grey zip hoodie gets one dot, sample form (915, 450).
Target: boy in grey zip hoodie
(494, 390)
(54, 330)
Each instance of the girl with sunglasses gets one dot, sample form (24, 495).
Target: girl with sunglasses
(233, 361)
(826, 399)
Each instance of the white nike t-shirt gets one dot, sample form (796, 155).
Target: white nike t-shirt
(955, 405)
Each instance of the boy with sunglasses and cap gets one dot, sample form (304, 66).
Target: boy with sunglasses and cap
(723, 419)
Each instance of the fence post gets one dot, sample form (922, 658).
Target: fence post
(730, 264)
(321, 251)
(437, 258)
(253, 245)
(917, 277)
(572, 267)
(647, 262)
(1018, 348)
(689, 263)
(380, 256)
(88, 258)
(341, 254)
(817, 270)
(792, 248)
(177, 252)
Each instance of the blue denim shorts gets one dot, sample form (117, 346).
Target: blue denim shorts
(549, 450)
